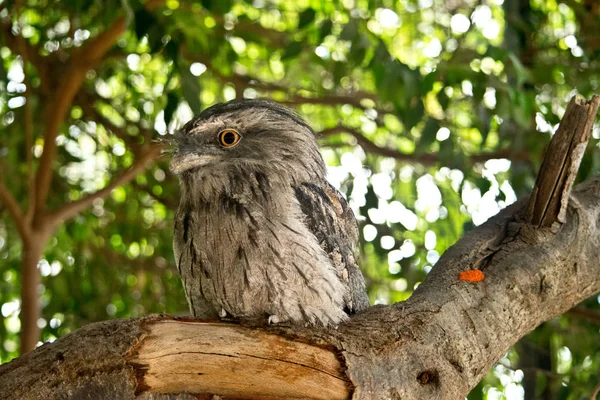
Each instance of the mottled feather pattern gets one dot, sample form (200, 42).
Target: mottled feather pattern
(259, 233)
(331, 220)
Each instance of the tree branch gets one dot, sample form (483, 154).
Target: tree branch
(353, 98)
(595, 393)
(14, 210)
(438, 344)
(334, 99)
(71, 209)
(90, 112)
(426, 159)
(28, 130)
(81, 62)
(550, 195)
(170, 202)
(32, 52)
(585, 313)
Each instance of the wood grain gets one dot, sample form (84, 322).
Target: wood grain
(550, 195)
(234, 362)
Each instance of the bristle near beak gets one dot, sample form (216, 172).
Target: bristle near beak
(183, 162)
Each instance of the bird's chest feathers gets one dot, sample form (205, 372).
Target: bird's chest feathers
(232, 233)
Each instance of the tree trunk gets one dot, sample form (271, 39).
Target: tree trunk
(33, 247)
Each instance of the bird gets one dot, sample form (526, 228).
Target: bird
(260, 234)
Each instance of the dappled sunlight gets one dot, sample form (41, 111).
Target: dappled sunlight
(432, 117)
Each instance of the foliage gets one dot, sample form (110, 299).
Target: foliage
(432, 115)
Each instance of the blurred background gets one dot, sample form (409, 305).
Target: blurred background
(432, 115)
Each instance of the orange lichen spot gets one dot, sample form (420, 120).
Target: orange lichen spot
(473, 275)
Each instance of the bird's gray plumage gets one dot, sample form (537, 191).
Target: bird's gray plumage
(259, 233)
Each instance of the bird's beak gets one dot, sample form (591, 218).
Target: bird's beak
(184, 161)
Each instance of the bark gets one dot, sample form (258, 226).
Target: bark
(30, 281)
(550, 196)
(438, 344)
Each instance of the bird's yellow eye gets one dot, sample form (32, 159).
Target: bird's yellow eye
(229, 137)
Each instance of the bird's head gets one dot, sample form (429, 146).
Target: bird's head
(245, 137)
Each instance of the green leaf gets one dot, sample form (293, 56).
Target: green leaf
(426, 83)
(190, 86)
(208, 4)
(144, 20)
(497, 53)
(306, 17)
(172, 49)
(325, 29)
(480, 84)
(428, 135)
(483, 123)
(350, 30)
(359, 48)
(503, 104)
(501, 196)
(381, 54)
(443, 99)
(217, 6)
(292, 50)
(523, 108)
(477, 392)
(3, 72)
(413, 115)
(449, 157)
(155, 38)
(172, 103)
(521, 72)
(483, 184)
(587, 165)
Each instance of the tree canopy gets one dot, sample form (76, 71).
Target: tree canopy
(432, 115)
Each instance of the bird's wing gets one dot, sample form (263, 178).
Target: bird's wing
(331, 220)
(186, 258)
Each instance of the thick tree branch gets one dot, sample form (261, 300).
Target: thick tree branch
(28, 130)
(438, 344)
(81, 61)
(308, 371)
(69, 210)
